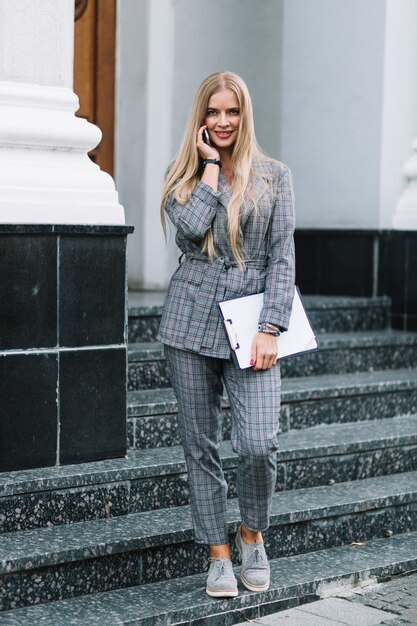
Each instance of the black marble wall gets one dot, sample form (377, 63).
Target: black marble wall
(361, 263)
(63, 308)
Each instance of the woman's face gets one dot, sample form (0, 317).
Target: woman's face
(223, 119)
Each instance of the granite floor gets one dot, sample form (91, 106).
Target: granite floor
(392, 603)
(111, 542)
(300, 581)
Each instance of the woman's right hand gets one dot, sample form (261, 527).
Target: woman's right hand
(204, 150)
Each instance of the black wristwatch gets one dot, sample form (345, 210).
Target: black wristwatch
(215, 161)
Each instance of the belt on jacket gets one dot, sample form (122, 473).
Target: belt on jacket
(225, 261)
(207, 294)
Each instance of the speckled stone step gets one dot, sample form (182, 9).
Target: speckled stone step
(295, 580)
(339, 353)
(156, 478)
(327, 313)
(51, 563)
(306, 401)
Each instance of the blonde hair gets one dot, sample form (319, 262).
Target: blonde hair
(184, 172)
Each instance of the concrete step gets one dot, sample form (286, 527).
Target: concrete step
(295, 580)
(48, 564)
(305, 402)
(326, 313)
(157, 478)
(338, 353)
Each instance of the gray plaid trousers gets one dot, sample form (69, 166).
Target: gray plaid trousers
(255, 404)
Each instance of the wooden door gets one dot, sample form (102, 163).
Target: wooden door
(94, 71)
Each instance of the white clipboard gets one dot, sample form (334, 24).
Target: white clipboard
(241, 317)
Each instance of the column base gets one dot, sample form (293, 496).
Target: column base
(63, 344)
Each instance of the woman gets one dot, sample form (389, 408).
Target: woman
(233, 208)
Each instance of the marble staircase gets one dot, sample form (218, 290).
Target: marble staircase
(111, 542)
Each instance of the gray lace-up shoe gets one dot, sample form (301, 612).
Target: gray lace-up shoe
(221, 580)
(255, 571)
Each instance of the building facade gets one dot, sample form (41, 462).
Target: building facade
(95, 521)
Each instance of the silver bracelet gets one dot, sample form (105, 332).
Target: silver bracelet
(268, 329)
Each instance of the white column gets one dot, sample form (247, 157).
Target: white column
(144, 124)
(157, 255)
(405, 217)
(349, 103)
(46, 175)
(399, 121)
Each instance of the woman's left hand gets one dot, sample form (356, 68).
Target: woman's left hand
(264, 351)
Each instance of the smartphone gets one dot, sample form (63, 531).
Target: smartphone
(206, 137)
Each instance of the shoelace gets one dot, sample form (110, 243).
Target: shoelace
(220, 565)
(256, 558)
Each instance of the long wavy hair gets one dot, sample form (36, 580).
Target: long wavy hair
(185, 172)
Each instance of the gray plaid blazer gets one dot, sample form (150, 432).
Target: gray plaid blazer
(191, 317)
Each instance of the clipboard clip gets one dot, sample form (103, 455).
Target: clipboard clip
(231, 333)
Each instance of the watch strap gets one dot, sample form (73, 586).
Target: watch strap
(214, 161)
